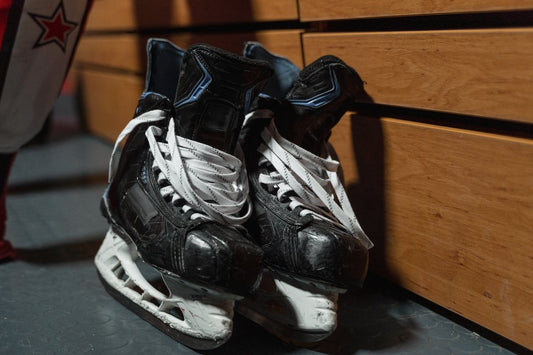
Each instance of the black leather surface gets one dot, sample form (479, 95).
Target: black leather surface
(164, 61)
(310, 126)
(304, 246)
(215, 117)
(206, 252)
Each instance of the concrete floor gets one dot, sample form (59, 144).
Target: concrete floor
(52, 302)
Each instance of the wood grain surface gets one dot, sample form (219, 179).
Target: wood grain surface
(109, 100)
(484, 72)
(314, 10)
(450, 212)
(121, 15)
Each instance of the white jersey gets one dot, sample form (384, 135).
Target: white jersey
(37, 41)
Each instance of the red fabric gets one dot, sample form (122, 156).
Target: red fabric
(7, 161)
(6, 250)
(5, 5)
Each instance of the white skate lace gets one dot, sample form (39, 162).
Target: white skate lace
(194, 175)
(306, 180)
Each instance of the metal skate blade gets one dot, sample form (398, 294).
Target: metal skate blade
(189, 341)
(130, 282)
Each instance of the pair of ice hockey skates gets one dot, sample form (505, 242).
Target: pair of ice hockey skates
(198, 223)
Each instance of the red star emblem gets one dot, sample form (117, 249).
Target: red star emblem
(55, 28)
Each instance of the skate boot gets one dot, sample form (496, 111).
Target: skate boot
(314, 246)
(178, 197)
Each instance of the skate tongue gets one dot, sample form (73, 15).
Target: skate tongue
(163, 67)
(164, 64)
(285, 72)
(319, 97)
(214, 90)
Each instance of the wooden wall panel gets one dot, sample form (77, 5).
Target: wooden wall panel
(128, 51)
(450, 212)
(109, 100)
(314, 10)
(123, 15)
(476, 72)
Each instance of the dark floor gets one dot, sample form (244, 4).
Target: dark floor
(52, 302)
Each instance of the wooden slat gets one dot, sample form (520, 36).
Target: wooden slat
(476, 72)
(109, 100)
(155, 14)
(314, 10)
(128, 51)
(451, 214)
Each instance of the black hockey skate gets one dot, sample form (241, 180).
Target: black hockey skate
(178, 196)
(314, 246)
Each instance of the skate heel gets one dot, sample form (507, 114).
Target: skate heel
(298, 312)
(195, 316)
(205, 310)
